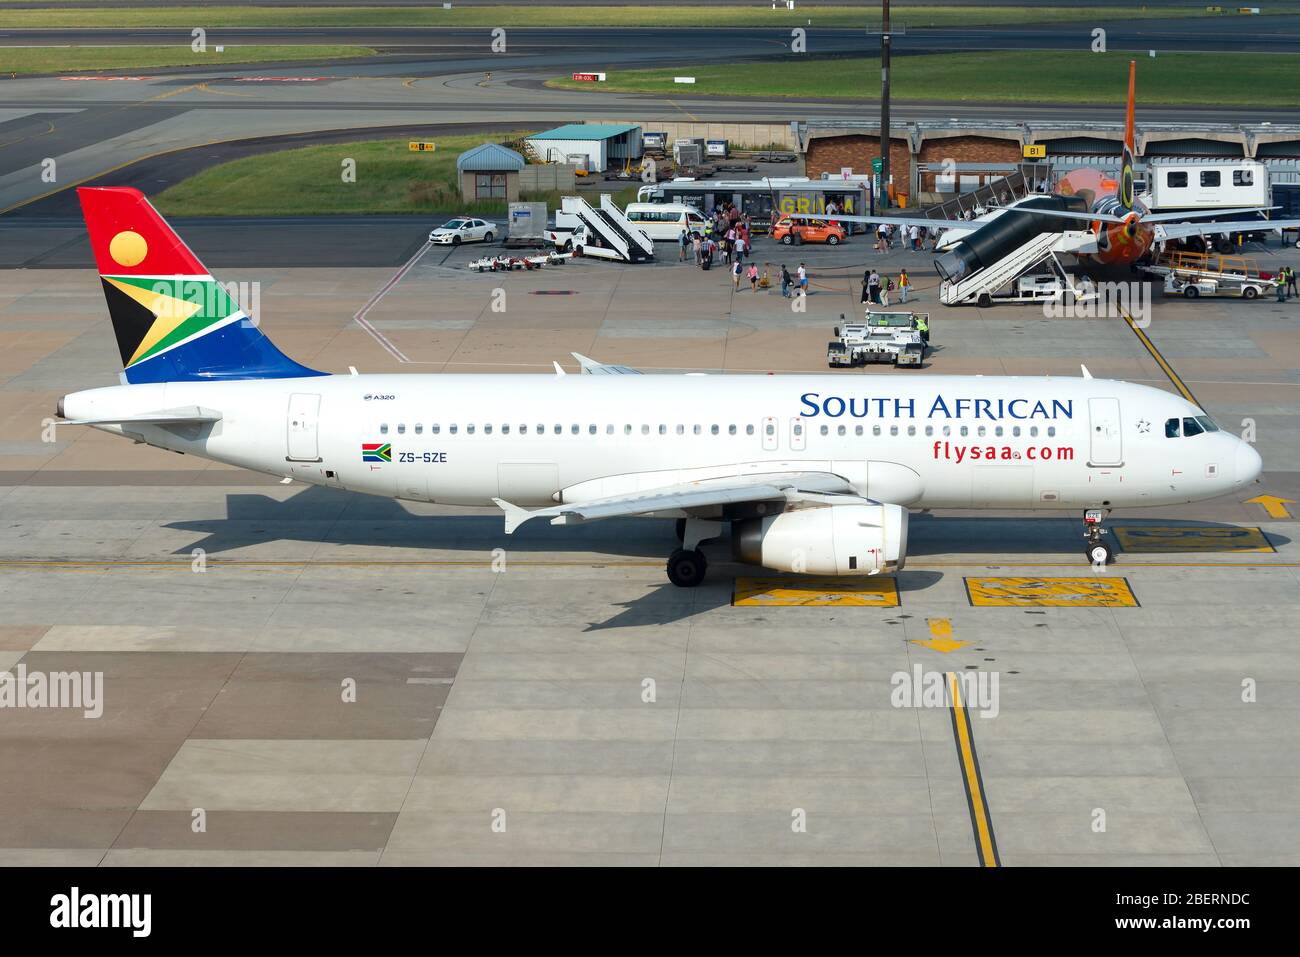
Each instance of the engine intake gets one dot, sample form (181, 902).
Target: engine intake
(825, 540)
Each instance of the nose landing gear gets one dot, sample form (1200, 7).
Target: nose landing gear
(1097, 551)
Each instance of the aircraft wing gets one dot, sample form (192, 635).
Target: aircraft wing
(1181, 230)
(592, 367)
(731, 490)
(191, 415)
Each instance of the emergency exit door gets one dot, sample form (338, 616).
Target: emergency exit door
(1106, 442)
(304, 412)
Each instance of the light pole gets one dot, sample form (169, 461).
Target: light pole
(884, 105)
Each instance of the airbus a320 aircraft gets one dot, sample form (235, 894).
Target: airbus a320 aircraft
(813, 473)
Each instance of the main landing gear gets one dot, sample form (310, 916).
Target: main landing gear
(687, 565)
(1098, 552)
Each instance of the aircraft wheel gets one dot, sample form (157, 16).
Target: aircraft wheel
(686, 569)
(1099, 553)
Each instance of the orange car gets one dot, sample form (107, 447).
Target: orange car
(789, 231)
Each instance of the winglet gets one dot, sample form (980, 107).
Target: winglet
(1086, 373)
(515, 516)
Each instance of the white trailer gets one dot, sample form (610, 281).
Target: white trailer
(1207, 184)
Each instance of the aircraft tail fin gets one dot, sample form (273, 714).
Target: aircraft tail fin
(1130, 140)
(172, 320)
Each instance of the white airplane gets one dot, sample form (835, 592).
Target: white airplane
(813, 473)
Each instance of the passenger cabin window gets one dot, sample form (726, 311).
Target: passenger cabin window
(419, 428)
(749, 430)
(383, 429)
(435, 429)
(1176, 180)
(1209, 177)
(1243, 177)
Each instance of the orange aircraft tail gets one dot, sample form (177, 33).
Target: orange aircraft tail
(1126, 169)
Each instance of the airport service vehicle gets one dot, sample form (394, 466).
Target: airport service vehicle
(809, 473)
(789, 232)
(885, 337)
(602, 231)
(464, 229)
(1115, 227)
(1205, 184)
(664, 222)
(1200, 274)
(766, 198)
(1053, 287)
(507, 263)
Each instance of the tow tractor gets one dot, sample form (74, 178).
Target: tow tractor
(885, 337)
(1193, 275)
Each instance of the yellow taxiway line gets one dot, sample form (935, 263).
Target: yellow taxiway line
(985, 841)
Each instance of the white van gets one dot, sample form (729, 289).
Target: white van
(664, 222)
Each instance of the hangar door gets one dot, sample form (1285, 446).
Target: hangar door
(304, 412)
(1106, 446)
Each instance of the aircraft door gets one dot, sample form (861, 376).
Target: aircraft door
(769, 433)
(303, 415)
(798, 434)
(1106, 438)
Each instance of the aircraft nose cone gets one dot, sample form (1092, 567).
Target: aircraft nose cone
(1248, 464)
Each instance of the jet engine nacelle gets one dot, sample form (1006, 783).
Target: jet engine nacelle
(825, 540)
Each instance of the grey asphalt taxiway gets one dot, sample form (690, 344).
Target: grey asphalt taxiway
(340, 679)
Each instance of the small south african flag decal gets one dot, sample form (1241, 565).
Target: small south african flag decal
(376, 452)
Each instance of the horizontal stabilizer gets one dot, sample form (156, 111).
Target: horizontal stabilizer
(191, 415)
(592, 367)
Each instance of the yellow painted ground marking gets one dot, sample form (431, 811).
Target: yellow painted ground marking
(964, 735)
(779, 592)
(1180, 538)
(1051, 592)
(1275, 506)
(941, 638)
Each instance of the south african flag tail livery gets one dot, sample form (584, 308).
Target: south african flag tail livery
(173, 321)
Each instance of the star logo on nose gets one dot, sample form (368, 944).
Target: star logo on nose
(1144, 425)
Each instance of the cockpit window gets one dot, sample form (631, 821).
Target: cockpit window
(1171, 429)
(1207, 423)
(1192, 427)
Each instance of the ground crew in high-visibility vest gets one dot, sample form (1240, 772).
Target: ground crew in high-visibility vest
(923, 327)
